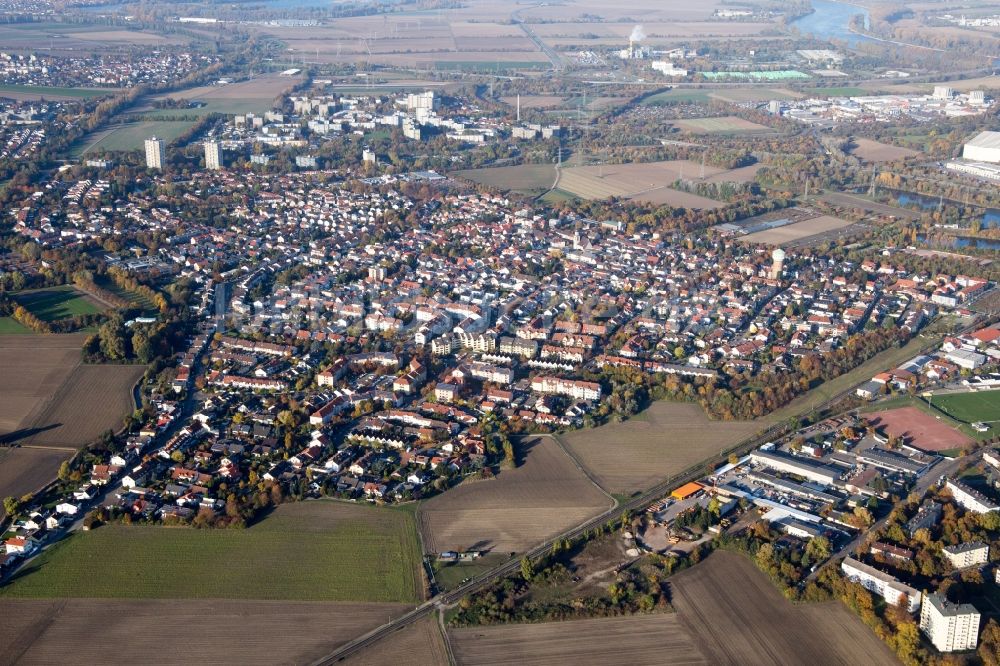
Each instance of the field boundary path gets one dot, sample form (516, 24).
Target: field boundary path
(580, 466)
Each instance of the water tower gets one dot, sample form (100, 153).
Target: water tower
(777, 264)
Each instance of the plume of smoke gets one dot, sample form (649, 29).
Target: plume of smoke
(637, 34)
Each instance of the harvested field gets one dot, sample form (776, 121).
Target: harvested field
(562, 33)
(265, 87)
(873, 151)
(739, 175)
(736, 616)
(93, 399)
(676, 198)
(521, 507)
(642, 639)
(307, 551)
(130, 37)
(663, 440)
(419, 643)
(797, 231)
(526, 178)
(919, 429)
(24, 470)
(170, 631)
(721, 125)
(34, 367)
(536, 101)
(647, 181)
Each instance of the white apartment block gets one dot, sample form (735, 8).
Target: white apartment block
(567, 387)
(967, 554)
(893, 591)
(970, 499)
(950, 627)
(213, 155)
(154, 153)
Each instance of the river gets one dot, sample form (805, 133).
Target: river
(832, 20)
(989, 219)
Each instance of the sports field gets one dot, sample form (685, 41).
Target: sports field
(57, 303)
(970, 407)
(310, 551)
(919, 429)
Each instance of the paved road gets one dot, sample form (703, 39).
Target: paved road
(550, 53)
(947, 468)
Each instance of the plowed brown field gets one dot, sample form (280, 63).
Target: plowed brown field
(90, 631)
(519, 508)
(636, 640)
(737, 616)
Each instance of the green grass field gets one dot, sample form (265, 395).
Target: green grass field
(557, 196)
(256, 105)
(10, 326)
(56, 303)
(843, 91)
(47, 91)
(970, 407)
(676, 95)
(489, 65)
(130, 136)
(309, 551)
(135, 300)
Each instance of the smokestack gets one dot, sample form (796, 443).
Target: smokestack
(637, 36)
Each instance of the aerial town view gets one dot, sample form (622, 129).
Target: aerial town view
(482, 332)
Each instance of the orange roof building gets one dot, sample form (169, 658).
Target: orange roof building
(687, 490)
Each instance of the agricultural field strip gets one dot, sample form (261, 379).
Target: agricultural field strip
(38, 631)
(311, 551)
(644, 639)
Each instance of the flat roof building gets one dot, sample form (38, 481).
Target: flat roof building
(984, 147)
(213, 155)
(969, 498)
(817, 472)
(950, 627)
(154, 153)
(967, 554)
(893, 591)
